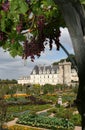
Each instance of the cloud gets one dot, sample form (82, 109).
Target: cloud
(66, 40)
(13, 68)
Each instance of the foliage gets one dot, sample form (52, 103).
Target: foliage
(59, 86)
(12, 90)
(67, 113)
(7, 81)
(33, 90)
(48, 88)
(75, 89)
(40, 19)
(17, 110)
(83, 1)
(76, 119)
(3, 112)
(3, 90)
(68, 96)
(61, 112)
(31, 108)
(46, 122)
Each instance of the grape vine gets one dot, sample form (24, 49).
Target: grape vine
(41, 20)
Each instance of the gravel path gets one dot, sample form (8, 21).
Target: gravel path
(13, 122)
(43, 111)
(77, 128)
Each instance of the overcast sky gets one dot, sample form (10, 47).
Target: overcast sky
(13, 68)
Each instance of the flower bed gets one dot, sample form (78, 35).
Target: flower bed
(16, 95)
(45, 122)
(18, 127)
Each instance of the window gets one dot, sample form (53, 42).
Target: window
(34, 72)
(48, 71)
(40, 72)
(44, 72)
(52, 71)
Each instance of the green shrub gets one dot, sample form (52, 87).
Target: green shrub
(76, 119)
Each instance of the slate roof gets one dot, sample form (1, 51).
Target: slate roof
(49, 68)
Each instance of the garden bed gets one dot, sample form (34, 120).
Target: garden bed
(52, 123)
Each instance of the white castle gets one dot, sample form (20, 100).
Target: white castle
(62, 73)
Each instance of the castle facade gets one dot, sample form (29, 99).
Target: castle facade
(53, 74)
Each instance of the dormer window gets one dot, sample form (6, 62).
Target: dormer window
(52, 71)
(48, 71)
(44, 72)
(57, 71)
(40, 72)
(34, 72)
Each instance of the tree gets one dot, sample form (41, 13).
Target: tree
(12, 90)
(76, 26)
(48, 88)
(26, 26)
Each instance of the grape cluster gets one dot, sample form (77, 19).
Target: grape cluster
(40, 28)
(31, 49)
(5, 6)
(50, 43)
(57, 41)
(52, 32)
(37, 44)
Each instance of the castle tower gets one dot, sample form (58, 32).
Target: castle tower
(60, 73)
(65, 73)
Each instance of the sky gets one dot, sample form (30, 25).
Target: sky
(14, 68)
